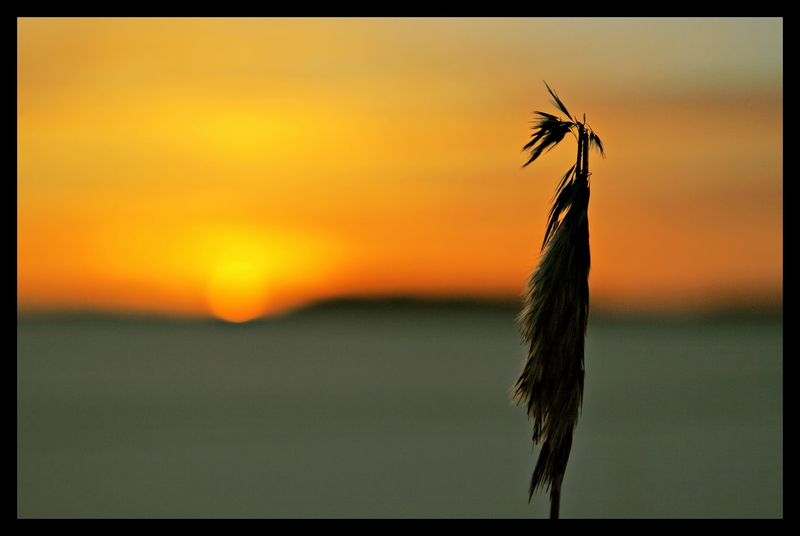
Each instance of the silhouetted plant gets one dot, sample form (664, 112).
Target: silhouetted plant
(556, 307)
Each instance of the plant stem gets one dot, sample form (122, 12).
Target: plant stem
(555, 503)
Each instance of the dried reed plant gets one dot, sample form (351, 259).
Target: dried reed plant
(556, 307)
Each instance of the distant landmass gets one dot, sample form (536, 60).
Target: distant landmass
(408, 302)
(720, 310)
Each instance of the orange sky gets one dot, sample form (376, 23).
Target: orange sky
(235, 167)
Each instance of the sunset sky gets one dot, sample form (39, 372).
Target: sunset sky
(236, 167)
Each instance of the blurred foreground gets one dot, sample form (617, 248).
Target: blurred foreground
(389, 410)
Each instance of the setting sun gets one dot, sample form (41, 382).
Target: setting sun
(246, 266)
(237, 292)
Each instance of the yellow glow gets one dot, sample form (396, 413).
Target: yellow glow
(243, 265)
(237, 291)
(233, 271)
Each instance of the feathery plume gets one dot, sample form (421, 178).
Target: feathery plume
(556, 308)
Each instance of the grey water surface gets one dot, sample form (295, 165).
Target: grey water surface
(389, 411)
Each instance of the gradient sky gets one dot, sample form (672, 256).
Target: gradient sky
(239, 166)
